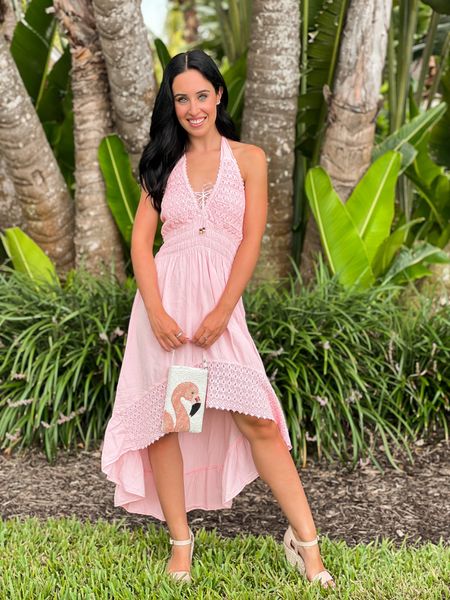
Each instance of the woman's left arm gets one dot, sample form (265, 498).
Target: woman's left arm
(254, 172)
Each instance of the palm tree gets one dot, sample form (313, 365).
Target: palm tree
(353, 106)
(271, 97)
(97, 239)
(129, 63)
(47, 207)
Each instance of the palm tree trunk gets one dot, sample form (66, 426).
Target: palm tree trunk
(7, 20)
(129, 63)
(97, 239)
(353, 106)
(10, 209)
(40, 188)
(271, 96)
(191, 22)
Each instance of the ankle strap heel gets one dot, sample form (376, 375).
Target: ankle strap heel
(183, 575)
(291, 545)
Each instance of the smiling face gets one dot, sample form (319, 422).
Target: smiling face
(195, 102)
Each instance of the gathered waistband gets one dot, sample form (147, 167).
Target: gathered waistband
(192, 236)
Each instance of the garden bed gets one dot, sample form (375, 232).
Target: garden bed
(355, 506)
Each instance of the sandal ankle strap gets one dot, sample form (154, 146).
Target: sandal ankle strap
(300, 543)
(311, 543)
(182, 542)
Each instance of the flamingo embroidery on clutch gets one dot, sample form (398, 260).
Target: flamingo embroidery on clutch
(185, 399)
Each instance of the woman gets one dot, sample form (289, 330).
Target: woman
(211, 193)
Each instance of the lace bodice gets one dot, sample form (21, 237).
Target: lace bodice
(221, 204)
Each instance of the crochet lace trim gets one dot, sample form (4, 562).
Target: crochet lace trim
(231, 386)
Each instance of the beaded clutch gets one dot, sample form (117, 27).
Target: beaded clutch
(185, 399)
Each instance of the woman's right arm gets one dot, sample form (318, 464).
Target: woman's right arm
(142, 239)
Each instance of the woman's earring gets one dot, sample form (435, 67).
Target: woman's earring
(217, 102)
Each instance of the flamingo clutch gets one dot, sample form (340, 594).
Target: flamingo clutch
(185, 398)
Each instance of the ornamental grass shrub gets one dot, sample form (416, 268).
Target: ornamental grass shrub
(60, 355)
(353, 369)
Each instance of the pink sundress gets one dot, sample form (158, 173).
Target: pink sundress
(193, 264)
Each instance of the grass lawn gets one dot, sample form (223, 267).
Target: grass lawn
(69, 559)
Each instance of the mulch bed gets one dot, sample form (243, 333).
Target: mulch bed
(409, 506)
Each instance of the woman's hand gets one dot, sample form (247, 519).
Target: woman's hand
(165, 329)
(212, 327)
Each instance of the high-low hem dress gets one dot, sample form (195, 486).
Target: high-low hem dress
(193, 265)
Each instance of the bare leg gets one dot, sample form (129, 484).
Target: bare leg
(167, 465)
(276, 467)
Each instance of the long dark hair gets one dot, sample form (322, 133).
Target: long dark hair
(167, 138)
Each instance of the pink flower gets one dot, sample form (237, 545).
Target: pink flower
(322, 400)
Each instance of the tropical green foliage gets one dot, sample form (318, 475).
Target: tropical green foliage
(234, 27)
(352, 233)
(440, 6)
(31, 47)
(320, 51)
(412, 263)
(430, 214)
(162, 52)
(235, 77)
(122, 194)
(322, 24)
(343, 246)
(409, 135)
(321, 36)
(432, 200)
(423, 190)
(34, 40)
(224, 28)
(439, 142)
(356, 236)
(122, 190)
(26, 256)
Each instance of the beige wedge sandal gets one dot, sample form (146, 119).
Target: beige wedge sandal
(291, 545)
(183, 575)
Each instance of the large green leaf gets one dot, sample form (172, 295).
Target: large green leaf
(323, 52)
(371, 204)
(61, 138)
(390, 246)
(162, 52)
(57, 86)
(50, 91)
(55, 111)
(412, 263)
(32, 44)
(345, 250)
(411, 132)
(432, 183)
(122, 190)
(235, 76)
(440, 6)
(439, 140)
(27, 256)
(234, 26)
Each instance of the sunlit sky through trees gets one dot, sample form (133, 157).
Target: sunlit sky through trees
(154, 12)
